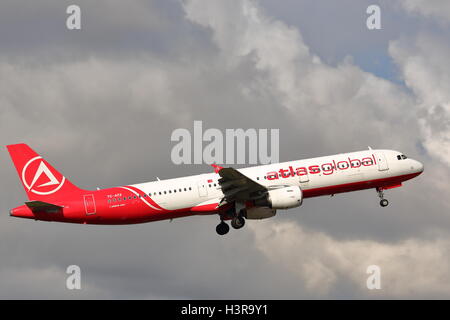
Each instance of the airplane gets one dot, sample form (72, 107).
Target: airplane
(233, 194)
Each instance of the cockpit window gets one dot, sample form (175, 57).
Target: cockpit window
(399, 157)
(403, 156)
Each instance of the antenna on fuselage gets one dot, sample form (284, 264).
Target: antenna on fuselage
(369, 148)
(158, 179)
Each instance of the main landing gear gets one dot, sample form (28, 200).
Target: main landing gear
(222, 228)
(383, 202)
(237, 222)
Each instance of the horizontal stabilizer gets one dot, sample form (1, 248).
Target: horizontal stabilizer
(40, 206)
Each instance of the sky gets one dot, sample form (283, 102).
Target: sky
(100, 104)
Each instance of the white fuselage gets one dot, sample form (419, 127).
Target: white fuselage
(248, 193)
(316, 176)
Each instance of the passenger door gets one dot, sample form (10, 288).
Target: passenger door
(382, 162)
(89, 204)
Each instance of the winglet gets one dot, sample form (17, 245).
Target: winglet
(216, 168)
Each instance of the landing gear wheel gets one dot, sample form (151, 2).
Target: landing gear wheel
(384, 202)
(237, 222)
(222, 228)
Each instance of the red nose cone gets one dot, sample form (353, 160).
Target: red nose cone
(22, 212)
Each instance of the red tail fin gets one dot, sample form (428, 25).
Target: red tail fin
(40, 180)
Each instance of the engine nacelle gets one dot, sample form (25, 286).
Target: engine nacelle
(285, 198)
(259, 213)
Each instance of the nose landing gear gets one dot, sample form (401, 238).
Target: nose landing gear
(383, 202)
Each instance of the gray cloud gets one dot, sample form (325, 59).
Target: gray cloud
(426, 72)
(430, 9)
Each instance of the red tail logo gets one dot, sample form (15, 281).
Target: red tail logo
(39, 179)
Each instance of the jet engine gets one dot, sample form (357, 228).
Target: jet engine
(259, 213)
(282, 198)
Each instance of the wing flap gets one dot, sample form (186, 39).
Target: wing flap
(238, 187)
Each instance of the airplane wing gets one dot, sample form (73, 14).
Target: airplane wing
(238, 187)
(43, 207)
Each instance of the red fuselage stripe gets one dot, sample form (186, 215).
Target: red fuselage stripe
(148, 198)
(360, 185)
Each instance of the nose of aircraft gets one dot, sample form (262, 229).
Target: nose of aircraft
(418, 166)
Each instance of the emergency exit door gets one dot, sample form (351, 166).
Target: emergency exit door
(202, 190)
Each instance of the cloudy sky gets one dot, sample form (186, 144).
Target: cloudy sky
(100, 104)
